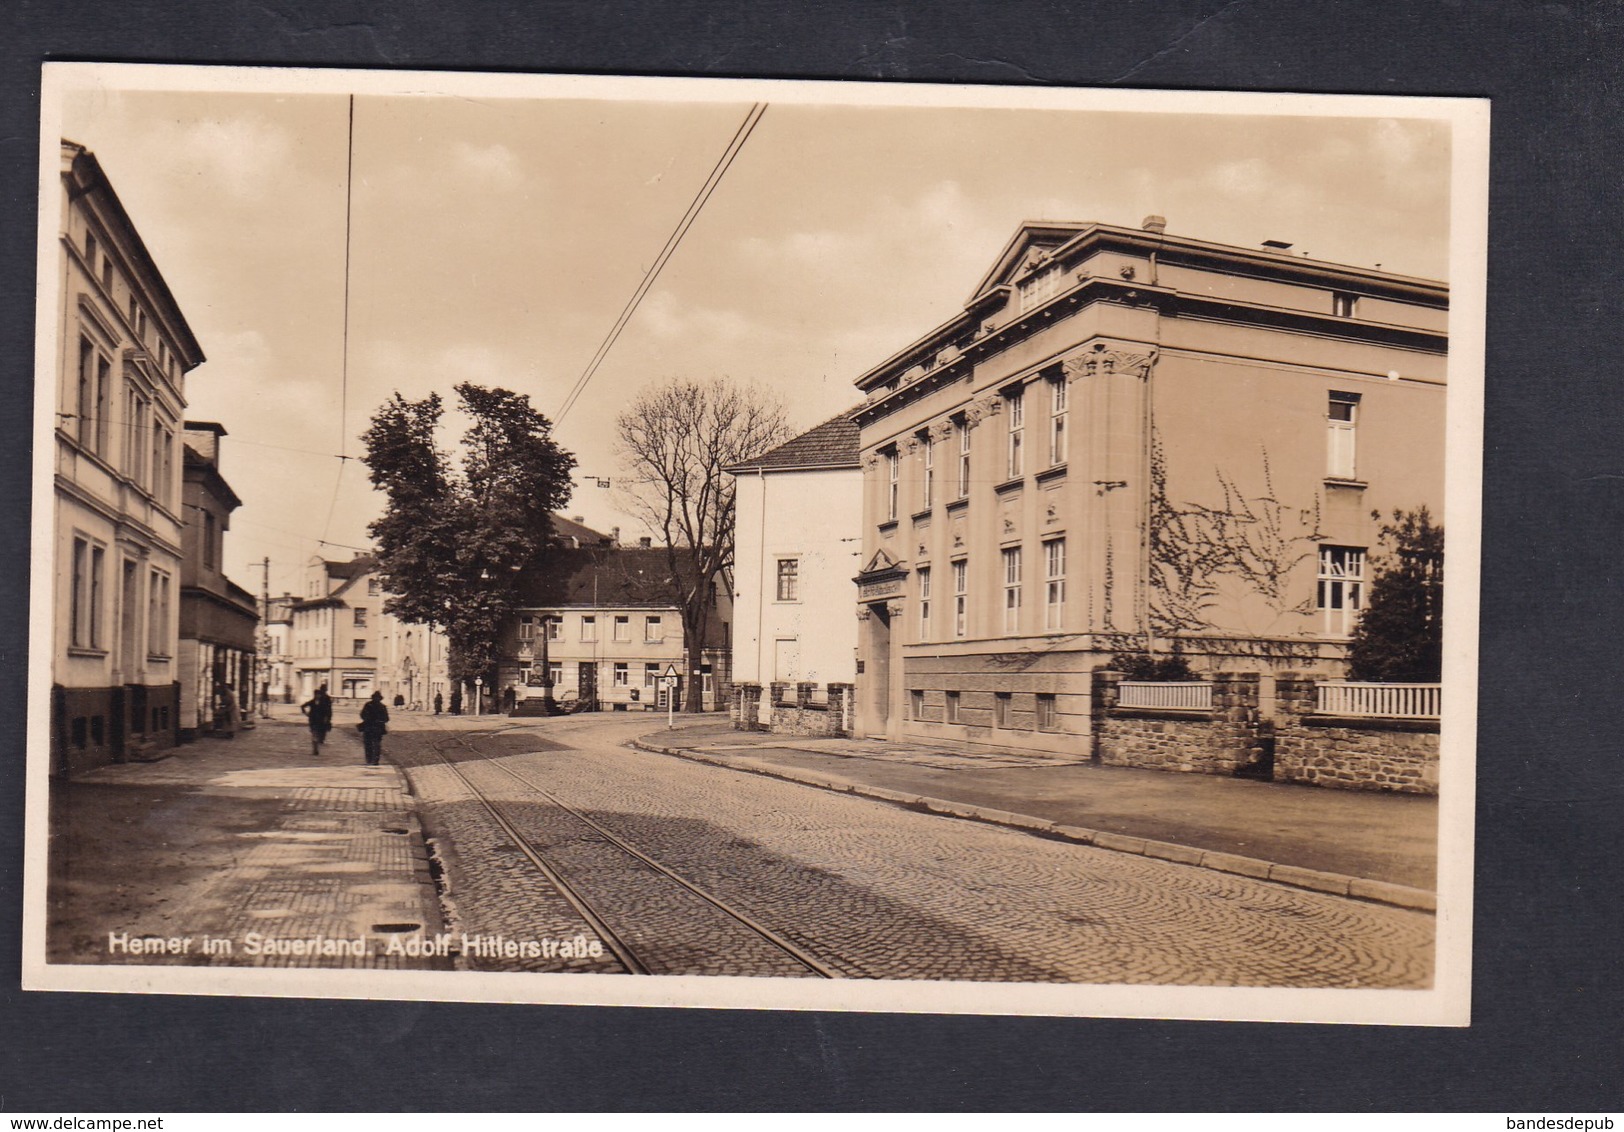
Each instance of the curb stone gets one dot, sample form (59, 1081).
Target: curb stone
(1293, 876)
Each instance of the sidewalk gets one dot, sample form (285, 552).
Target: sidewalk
(249, 840)
(1334, 840)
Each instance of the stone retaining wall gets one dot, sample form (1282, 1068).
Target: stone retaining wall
(1227, 739)
(794, 709)
(1347, 753)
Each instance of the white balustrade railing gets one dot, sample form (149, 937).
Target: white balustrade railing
(1388, 701)
(1196, 696)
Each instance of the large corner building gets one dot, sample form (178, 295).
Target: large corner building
(1134, 441)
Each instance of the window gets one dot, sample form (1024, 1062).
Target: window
(652, 630)
(962, 428)
(360, 648)
(360, 619)
(107, 273)
(1015, 409)
(1343, 305)
(135, 435)
(163, 463)
(1012, 589)
(208, 539)
(961, 577)
(85, 598)
(651, 675)
(374, 587)
(1001, 705)
(620, 674)
(555, 672)
(1048, 713)
(1058, 392)
(83, 424)
(916, 704)
(1342, 415)
(589, 628)
(1054, 584)
(90, 252)
(158, 614)
(924, 602)
(927, 477)
(554, 627)
(893, 477)
(1039, 287)
(1341, 587)
(951, 711)
(623, 628)
(527, 628)
(789, 579)
(104, 391)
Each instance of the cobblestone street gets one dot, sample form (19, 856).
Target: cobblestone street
(863, 888)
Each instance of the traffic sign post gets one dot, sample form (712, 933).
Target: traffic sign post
(479, 688)
(670, 682)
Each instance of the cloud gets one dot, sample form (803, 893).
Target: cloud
(243, 156)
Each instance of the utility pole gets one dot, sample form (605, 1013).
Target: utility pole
(265, 638)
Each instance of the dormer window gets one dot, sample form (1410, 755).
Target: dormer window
(1344, 305)
(1040, 286)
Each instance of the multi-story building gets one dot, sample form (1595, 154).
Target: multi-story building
(218, 618)
(276, 670)
(799, 509)
(412, 663)
(1134, 441)
(610, 626)
(334, 623)
(123, 351)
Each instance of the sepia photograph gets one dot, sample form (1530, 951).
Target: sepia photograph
(828, 545)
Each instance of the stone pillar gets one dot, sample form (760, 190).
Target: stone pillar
(803, 693)
(1294, 695)
(778, 689)
(748, 698)
(842, 708)
(1102, 698)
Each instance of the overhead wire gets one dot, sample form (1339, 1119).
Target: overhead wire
(344, 363)
(740, 136)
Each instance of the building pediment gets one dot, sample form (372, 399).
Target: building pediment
(881, 563)
(1029, 249)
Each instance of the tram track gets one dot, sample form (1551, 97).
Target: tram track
(610, 927)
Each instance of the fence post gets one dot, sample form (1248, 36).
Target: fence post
(840, 709)
(1102, 698)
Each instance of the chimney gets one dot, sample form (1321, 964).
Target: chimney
(614, 536)
(578, 519)
(1156, 224)
(646, 543)
(1279, 246)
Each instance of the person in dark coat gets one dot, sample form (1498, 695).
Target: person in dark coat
(374, 726)
(319, 711)
(439, 703)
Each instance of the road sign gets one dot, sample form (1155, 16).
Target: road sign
(670, 672)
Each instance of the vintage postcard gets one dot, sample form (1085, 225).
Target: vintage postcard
(730, 543)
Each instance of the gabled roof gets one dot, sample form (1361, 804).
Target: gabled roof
(567, 530)
(832, 444)
(1032, 235)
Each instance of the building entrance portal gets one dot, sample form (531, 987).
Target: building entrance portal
(879, 665)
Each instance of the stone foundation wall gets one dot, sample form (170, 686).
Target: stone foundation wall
(1229, 738)
(794, 709)
(1398, 755)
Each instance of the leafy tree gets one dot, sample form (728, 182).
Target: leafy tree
(454, 537)
(1400, 634)
(675, 440)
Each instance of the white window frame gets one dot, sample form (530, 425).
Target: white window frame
(922, 576)
(621, 674)
(87, 594)
(158, 597)
(1054, 583)
(961, 596)
(1059, 396)
(1015, 410)
(651, 674)
(927, 478)
(962, 427)
(623, 623)
(527, 628)
(653, 629)
(893, 476)
(589, 627)
(1340, 593)
(552, 627)
(792, 591)
(1342, 424)
(1011, 556)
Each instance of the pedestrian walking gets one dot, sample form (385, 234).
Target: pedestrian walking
(439, 703)
(226, 713)
(374, 726)
(319, 710)
(456, 700)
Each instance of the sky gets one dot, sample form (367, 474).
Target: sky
(496, 240)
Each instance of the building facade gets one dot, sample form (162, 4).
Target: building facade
(219, 619)
(599, 618)
(124, 349)
(1134, 442)
(333, 630)
(799, 511)
(277, 681)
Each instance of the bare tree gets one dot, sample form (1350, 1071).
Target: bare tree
(675, 440)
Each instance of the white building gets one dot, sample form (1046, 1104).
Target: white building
(797, 539)
(123, 349)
